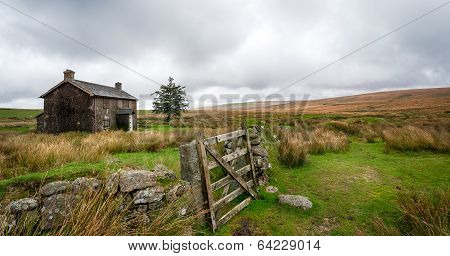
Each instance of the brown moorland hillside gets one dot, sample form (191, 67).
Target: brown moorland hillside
(424, 101)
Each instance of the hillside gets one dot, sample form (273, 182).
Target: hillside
(435, 100)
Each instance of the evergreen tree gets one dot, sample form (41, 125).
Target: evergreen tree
(170, 100)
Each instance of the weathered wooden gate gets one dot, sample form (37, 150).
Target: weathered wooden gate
(210, 159)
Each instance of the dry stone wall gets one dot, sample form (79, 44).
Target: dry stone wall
(141, 188)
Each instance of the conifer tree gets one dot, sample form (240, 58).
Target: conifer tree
(170, 100)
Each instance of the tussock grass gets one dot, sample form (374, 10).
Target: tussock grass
(36, 152)
(369, 135)
(95, 214)
(295, 145)
(350, 129)
(293, 149)
(323, 140)
(423, 214)
(411, 138)
(169, 222)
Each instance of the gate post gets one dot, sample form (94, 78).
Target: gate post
(192, 172)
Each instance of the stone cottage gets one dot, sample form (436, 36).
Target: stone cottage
(74, 105)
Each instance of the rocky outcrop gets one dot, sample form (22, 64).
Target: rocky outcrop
(296, 201)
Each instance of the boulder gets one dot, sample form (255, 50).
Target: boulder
(85, 184)
(136, 179)
(271, 189)
(55, 209)
(149, 195)
(21, 205)
(112, 183)
(296, 201)
(259, 151)
(56, 187)
(161, 171)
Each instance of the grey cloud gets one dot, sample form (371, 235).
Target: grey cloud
(252, 46)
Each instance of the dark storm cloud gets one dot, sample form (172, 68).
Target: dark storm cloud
(224, 46)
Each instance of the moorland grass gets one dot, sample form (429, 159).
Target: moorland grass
(412, 138)
(27, 153)
(348, 190)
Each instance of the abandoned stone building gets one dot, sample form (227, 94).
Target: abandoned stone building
(74, 105)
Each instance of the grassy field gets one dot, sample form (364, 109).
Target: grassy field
(6, 113)
(18, 120)
(350, 190)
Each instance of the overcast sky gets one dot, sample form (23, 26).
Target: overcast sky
(224, 47)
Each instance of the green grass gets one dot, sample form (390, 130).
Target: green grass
(21, 129)
(19, 113)
(323, 116)
(347, 190)
(160, 127)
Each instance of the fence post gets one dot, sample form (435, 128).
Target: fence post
(191, 172)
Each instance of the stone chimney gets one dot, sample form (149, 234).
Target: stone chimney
(69, 74)
(118, 86)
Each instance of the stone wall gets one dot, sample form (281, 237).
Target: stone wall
(260, 154)
(142, 190)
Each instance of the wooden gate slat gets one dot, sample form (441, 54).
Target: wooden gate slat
(223, 137)
(228, 198)
(234, 211)
(227, 158)
(227, 179)
(202, 153)
(250, 157)
(230, 170)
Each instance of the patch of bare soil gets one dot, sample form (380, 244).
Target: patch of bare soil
(248, 228)
(323, 226)
(368, 174)
(327, 225)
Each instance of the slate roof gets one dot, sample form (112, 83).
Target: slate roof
(96, 90)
